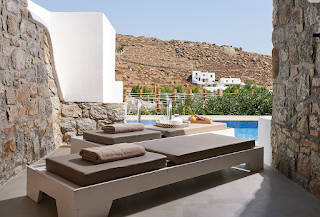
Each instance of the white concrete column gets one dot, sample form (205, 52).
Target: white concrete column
(264, 137)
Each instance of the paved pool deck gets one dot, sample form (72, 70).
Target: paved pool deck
(233, 192)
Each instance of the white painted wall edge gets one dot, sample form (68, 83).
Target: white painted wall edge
(112, 90)
(114, 93)
(81, 85)
(42, 17)
(264, 137)
(41, 13)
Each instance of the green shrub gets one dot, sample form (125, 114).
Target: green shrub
(242, 103)
(196, 89)
(166, 89)
(232, 88)
(120, 49)
(179, 88)
(135, 89)
(145, 89)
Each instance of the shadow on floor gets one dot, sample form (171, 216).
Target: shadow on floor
(232, 192)
(146, 200)
(274, 199)
(24, 206)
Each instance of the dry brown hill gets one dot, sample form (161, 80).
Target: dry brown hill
(148, 61)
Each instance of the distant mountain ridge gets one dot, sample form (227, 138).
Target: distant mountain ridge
(148, 61)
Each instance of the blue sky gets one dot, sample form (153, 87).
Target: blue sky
(246, 23)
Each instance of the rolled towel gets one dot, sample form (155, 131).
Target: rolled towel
(111, 152)
(122, 128)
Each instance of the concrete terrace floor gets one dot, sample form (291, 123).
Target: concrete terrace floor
(232, 192)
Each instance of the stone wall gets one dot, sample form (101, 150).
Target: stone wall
(27, 90)
(79, 117)
(296, 108)
(33, 120)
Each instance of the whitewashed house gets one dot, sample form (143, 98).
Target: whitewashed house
(223, 84)
(230, 81)
(203, 78)
(207, 81)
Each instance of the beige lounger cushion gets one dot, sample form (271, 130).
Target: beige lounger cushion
(183, 149)
(84, 173)
(192, 129)
(101, 137)
(123, 128)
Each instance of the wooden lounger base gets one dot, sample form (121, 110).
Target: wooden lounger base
(96, 200)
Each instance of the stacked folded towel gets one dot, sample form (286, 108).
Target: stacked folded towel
(112, 153)
(122, 128)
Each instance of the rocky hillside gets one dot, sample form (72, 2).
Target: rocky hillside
(148, 61)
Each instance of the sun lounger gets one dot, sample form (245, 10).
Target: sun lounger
(191, 158)
(84, 173)
(98, 137)
(184, 149)
(192, 129)
(102, 138)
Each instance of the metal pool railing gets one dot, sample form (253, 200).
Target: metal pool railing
(160, 101)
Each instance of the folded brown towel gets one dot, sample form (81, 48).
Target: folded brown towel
(111, 152)
(122, 128)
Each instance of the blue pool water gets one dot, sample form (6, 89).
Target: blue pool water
(243, 129)
(148, 122)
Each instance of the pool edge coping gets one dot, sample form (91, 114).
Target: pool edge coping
(212, 117)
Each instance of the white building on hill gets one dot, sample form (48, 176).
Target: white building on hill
(207, 81)
(230, 81)
(223, 84)
(203, 78)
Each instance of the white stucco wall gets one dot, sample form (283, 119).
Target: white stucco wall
(203, 75)
(230, 81)
(84, 53)
(264, 137)
(112, 90)
(78, 50)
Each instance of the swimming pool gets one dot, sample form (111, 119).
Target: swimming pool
(146, 122)
(243, 129)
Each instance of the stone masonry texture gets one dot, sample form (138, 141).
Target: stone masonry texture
(33, 120)
(26, 129)
(79, 117)
(296, 104)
